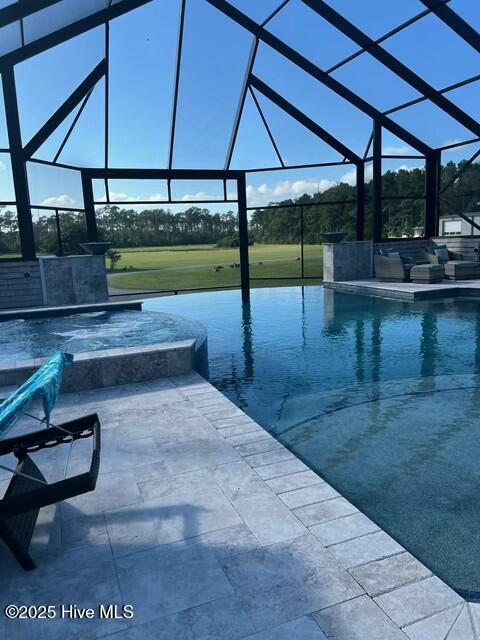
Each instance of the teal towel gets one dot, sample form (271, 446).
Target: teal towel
(45, 383)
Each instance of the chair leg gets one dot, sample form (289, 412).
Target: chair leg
(19, 551)
(17, 530)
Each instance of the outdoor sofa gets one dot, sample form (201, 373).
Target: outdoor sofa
(28, 490)
(456, 268)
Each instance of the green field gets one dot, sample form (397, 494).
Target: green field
(197, 266)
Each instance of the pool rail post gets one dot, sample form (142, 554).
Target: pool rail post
(243, 237)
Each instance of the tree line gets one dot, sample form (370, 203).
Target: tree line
(127, 227)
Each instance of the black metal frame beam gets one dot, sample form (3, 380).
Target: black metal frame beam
(313, 70)
(241, 104)
(70, 129)
(178, 65)
(316, 165)
(381, 39)
(266, 125)
(377, 183)
(454, 145)
(89, 206)
(135, 203)
(19, 167)
(243, 237)
(304, 120)
(163, 174)
(432, 193)
(70, 31)
(451, 87)
(79, 94)
(293, 205)
(22, 9)
(392, 63)
(360, 218)
(455, 22)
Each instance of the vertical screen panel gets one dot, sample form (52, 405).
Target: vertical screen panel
(141, 84)
(210, 86)
(7, 191)
(54, 186)
(47, 80)
(434, 51)
(59, 15)
(9, 235)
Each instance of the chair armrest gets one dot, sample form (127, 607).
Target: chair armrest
(454, 255)
(50, 437)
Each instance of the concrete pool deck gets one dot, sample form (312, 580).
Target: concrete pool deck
(410, 291)
(211, 529)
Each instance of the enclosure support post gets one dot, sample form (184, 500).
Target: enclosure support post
(302, 233)
(59, 234)
(243, 237)
(360, 221)
(88, 203)
(19, 167)
(432, 193)
(377, 182)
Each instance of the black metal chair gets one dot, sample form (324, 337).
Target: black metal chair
(28, 490)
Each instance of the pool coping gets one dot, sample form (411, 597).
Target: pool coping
(111, 367)
(67, 310)
(409, 292)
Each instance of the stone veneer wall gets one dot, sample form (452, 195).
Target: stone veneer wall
(347, 261)
(53, 281)
(111, 367)
(74, 279)
(20, 284)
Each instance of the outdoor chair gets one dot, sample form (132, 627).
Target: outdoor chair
(456, 268)
(392, 267)
(28, 490)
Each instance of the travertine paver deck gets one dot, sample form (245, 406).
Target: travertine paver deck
(212, 530)
(410, 291)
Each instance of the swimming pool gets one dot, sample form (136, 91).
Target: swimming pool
(381, 397)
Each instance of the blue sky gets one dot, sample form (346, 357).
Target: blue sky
(143, 48)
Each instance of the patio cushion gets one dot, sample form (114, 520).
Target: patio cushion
(442, 254)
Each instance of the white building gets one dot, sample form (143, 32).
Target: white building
(456, 226)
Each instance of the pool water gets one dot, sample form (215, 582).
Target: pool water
(380, 397)
(36, 337)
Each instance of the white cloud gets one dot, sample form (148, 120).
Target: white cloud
(199, 196)
(3, 166)
(58, 201)
(264, 194)
(284, 190)
(405, 167)
(398, 151)
(351, 176)
(116, 196)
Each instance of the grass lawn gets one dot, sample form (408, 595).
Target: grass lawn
(193, 266)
